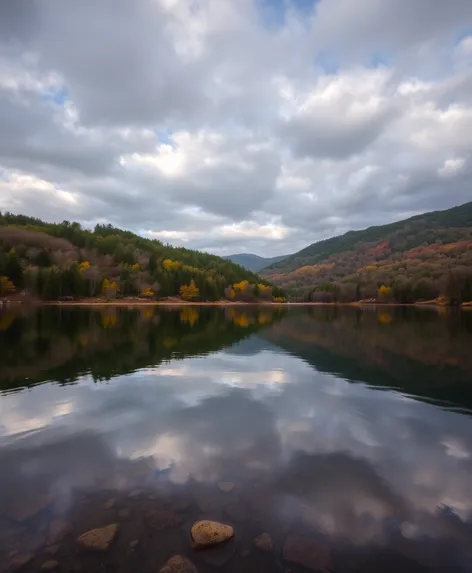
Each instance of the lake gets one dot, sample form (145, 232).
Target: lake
(344, 434)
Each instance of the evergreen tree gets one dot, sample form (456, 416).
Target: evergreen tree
(14, 270)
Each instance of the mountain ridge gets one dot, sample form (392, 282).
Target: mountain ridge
(252, 262)
(426, 251)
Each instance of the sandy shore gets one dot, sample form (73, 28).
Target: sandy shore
(134, 302)
(221, 303)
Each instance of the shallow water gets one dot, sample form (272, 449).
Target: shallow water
(345, 431)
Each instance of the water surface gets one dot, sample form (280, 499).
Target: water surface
(345, 426)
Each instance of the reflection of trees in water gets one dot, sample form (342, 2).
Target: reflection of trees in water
(421, 351)
(64, 343)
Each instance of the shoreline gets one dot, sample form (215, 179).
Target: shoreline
(220, 303)
(126, 303)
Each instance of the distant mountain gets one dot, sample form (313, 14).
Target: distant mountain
(253, 263)
(420, 258)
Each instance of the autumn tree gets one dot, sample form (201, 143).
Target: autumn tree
(84, 266)
(230, 293)
(148, 293)
(109, 288)
(6, 285)
(264, 291)
(384, 293)
(189, 292)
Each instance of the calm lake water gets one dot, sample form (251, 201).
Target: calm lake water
(345, 434)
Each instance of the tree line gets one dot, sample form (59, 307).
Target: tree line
(61, 260)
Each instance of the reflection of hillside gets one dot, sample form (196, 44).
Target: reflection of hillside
(62, 344)
(416, 350)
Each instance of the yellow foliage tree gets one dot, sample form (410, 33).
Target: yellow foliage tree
(84, 266)
(264, 291)
(170, 264)
(6, 285)
(109, 288)
(190, 291)
(148, 293)
(241, 286)
(384, 293)
(229, 293)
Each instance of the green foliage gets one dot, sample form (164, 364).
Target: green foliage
(51, 254)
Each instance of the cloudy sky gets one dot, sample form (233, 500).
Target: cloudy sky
(235, 125)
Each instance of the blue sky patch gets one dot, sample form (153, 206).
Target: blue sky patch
(273, 11)
(164, 137)
(58, 96)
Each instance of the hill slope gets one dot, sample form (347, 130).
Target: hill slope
(54, 260)
(253, 263)
(419, 258)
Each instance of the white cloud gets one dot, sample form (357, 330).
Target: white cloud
(451, 167)
(280, 132)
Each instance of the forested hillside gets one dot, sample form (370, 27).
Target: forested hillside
(421, 258)
(57, 260)
(252, 262)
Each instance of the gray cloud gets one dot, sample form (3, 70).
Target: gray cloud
(202, 124)
(321, 136)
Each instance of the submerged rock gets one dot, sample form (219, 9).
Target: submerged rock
(18, 561)
(225, 486)
(52, 549)
(124, 513)
(98, 539)
(263, 542)
(208, 533)
(28, 506)
(50, 565)
(58, 529)
(110, 503)
(308, 552)
(178, 564)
